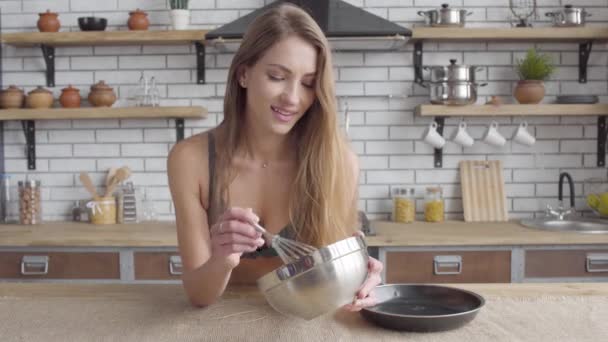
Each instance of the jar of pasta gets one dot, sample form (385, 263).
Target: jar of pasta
(30, 202)
(433, 205)
(102, 210)
(404, 205)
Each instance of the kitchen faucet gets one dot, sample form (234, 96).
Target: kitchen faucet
(560, 213)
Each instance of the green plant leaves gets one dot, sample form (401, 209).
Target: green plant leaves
(535, 66)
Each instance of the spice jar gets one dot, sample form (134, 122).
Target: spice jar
(433, 205)
(103, 210)
(11, 97)
(48, 22)
(404, 205)
(138, 20)
(101, 95)
(30, 202)
(70, 97)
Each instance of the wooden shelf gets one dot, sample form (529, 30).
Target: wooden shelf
(79, 38)
(515, 34)
(103, 113)
(513, 110)
(82, 234)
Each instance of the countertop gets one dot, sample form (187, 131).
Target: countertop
(162, 234)
(146, 312)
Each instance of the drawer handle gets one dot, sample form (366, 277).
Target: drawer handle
(447, 262)
(595, 261)
(34, 265)
(175, 265)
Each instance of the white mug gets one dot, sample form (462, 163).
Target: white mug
(432, 137)
(493, 137)
(522, 136)
(461, 136)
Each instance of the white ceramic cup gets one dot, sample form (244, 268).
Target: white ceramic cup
(522, 136)
(493, 137)
(432, 137)
(461, 136)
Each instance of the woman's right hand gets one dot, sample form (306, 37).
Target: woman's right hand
(233, 234)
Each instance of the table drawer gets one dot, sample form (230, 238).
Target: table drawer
(59, 265)
(448, 267)
(157, 265)
(566, 263)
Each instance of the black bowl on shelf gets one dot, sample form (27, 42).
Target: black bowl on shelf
(92, 23)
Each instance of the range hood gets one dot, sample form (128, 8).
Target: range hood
(346, 26)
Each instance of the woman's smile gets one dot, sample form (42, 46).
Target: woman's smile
(282, 115)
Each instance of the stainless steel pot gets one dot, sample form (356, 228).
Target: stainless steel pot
(445, 17)
(454, 93)
(453, 72)
(569, 16)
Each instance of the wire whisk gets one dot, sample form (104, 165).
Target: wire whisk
(288, 250)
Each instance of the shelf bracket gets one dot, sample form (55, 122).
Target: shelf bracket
(584, 50)
(439, 151)
(418, 62)
(602, 132)
(49, 58)
(29, 129)
(200, 62)
(179, 128)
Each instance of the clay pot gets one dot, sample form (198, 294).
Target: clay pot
(39, 98)
(529, 91)
(138, 20)
(48, 22)
(12, 97)
(101, 95)
(70, 97)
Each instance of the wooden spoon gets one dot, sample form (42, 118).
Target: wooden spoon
(110, 175)
(88, 184)
(121, 175)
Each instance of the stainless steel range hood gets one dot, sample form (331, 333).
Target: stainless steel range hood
(346, 26)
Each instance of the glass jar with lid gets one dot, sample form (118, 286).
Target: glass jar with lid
(433, 205)
(30, 202)
(404, 205)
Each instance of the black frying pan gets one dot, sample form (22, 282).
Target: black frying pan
(422, 307)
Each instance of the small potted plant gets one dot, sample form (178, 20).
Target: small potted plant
(180, 16)
(532, 71)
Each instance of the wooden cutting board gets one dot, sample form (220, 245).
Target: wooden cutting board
(483, 191)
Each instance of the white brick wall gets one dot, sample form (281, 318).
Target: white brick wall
(376, 84)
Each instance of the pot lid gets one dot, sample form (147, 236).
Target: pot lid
(40, 90)
(48, 12)
(138, 11)
(13, 89)
(101, 85)
(70, 88)
(570, 9)
(337, 19)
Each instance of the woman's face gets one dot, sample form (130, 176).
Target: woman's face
(281, 85)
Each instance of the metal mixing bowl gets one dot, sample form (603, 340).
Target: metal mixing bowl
(318, 283)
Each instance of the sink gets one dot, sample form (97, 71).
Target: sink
(579, 225)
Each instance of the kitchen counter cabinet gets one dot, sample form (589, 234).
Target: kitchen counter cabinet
(146, 312)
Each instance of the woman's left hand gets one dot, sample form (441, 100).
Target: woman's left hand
(363, 298)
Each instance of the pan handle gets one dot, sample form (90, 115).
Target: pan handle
(450, 262)
(597, 262)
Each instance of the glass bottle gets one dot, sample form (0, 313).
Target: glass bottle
(30, 202)
(76, 212)
(433, 205)
(404, 205)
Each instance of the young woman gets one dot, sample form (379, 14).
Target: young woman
(278, 157)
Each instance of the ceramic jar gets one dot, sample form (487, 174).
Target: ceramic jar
(39, 98)
(101, 95)
(11, 97)
(48, 22)
(529, 91)
(138, 20)
(70, 97)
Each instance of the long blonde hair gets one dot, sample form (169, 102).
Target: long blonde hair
(322, 205)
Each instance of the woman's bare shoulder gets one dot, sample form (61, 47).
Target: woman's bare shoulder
(191, 151)
(188, 165)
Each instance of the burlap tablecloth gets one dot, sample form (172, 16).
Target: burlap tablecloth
(165, 315)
